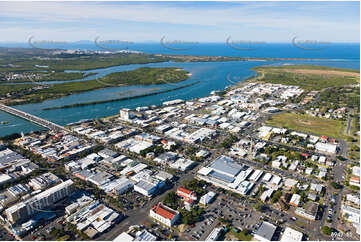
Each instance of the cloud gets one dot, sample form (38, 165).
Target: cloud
(258, 20)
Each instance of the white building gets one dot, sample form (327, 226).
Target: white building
(265, 232)
(351, 214)
(126, 114)
(164, 214)
(328, 148)
(207, 198)
(295, 200)
(21, 211)
(182, 164)
(148, 186)
(214, 235)
(291, 235)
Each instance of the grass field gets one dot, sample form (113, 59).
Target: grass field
(309, 77)
(309, 124)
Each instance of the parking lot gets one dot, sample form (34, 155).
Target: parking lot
(5, 235)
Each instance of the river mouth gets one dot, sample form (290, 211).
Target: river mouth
(211, 76)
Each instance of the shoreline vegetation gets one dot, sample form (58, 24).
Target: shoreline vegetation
(122, 98)
(309, 77)
(141, 76)
(49, 77)
(31, 59)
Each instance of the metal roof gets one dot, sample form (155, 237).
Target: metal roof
(226, 165)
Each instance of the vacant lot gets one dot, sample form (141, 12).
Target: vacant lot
(309, 77)
(307, 123)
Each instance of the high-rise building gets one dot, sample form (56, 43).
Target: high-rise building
(22, 211)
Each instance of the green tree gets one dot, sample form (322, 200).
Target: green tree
(326, 230)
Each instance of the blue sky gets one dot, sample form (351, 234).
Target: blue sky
(184, 21)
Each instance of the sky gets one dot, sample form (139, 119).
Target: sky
(180, 21)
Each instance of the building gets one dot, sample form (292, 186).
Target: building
(43, 181)
(144, 235)
(291, 235)
(355, 181)
(182, 164)
(149, 186)
(186, 194)
(123, 237)
(328, 148)
(23, 210)
(351, 214)
(164, 214)
(126, 114)
(207, 198)
(225, 173)
(214, 235)
(188, 197)
(163, 176)
(118, 186)
(266, 195)
(309, 211)
(295, 200)
(226, 166)
(265, 232)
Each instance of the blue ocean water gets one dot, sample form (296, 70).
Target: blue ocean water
(210, 75)
(339, 51)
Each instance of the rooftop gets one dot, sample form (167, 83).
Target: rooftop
(266, 230)
(164, 211)
(226, 165)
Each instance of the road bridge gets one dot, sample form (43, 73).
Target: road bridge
(32, 118)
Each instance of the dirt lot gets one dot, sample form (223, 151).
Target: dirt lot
(323, 72)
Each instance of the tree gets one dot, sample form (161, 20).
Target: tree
(259, 206)
(326, 230)
(335, 185)
(171, 200)
(276, 196)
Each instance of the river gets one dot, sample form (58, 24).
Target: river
(211, 76)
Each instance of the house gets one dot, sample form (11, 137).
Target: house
(316, 187)
(308, 171)
(164, 214)
(295, 200)
(356, 171)
(322, 160)
(188, 197)
(312, 196)
(355, 181)
(290, 183)
(265, 232)
(266, 195)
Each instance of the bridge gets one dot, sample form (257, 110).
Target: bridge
(34, 119)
